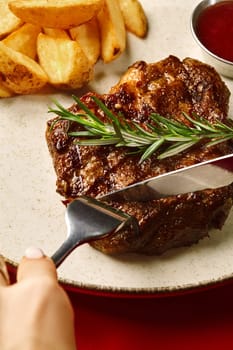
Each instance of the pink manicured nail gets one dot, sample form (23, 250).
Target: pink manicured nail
(34, 253)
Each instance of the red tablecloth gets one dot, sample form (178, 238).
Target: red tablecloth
(201, 320)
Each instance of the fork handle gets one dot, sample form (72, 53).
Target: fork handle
(63, 251)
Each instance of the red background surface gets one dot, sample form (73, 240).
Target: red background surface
(201, 320)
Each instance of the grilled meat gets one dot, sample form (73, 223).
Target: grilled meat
(169, 87)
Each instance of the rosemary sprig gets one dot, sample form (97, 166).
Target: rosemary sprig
(174, 136)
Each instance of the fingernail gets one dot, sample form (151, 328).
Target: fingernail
(34, 253)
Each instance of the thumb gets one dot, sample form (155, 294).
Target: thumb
(36, 264)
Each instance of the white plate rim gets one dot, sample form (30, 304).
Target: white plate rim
(179, 45)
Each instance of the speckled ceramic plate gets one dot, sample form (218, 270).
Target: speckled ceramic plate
(31, 212)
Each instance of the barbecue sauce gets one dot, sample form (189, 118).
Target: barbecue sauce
(215, 29)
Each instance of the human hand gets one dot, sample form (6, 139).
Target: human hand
(35, 312)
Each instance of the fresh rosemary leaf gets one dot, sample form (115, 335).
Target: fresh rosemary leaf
(99, 142)
(81, 133)
(174, 137)
(86, 110)
(219, 140)
(176, 149)
(151, 149)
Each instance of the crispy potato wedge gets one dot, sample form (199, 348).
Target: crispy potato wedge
(19, 72)
(64, 62)
(24, 40)
(134, 17)
(112, 30)
(4, 91)
(8, 22)
(56, 33)
(61, 14)
(88, 37)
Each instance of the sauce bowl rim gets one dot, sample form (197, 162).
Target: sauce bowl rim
(195, 14)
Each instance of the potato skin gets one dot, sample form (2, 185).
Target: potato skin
(67, 67)
(20, 73)
(24, 40)
(54, 13)
(9, 22)
(112, 31)
(134, 17)
(56, 43)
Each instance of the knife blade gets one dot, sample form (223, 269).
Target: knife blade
(208, 174)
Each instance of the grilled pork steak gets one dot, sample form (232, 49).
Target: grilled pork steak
(169, 87)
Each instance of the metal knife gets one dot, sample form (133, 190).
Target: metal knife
(89, 219)
(200, 176)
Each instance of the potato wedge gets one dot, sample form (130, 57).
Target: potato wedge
(24, 40)
(4, 91)
(134, 17)
(88, 37)
(56, 32)
(64, 62)
(20, 73)
(9, 22)
(61, 14)
(112, 30)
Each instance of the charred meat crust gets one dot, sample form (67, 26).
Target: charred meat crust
(166, 223)
(169, 87)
